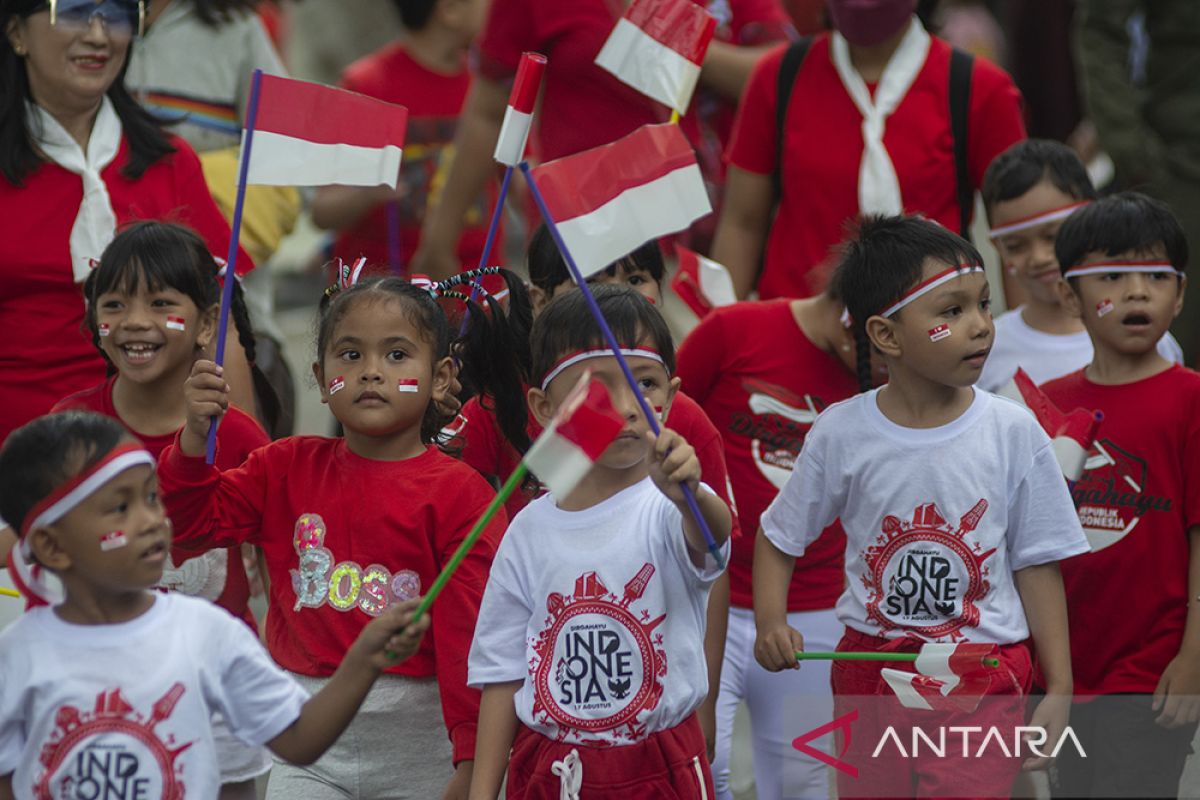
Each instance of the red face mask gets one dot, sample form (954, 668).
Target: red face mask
(866, 23)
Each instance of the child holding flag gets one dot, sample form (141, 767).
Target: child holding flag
(880, 463)
(589, 688)
(352, 526)
(1135, 638)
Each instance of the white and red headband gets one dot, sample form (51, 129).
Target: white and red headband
(927, 286)
(1025, 223)
(1120, 266)
(583, 355)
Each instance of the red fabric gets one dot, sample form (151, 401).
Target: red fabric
(317, 113)
(680, 25)
(485, 448)
(752, 348)
(824, 149)
(1128, 602)
(402, 515)
(238, 435)
(39, 299)
(858, 686)
(434, 101)
(662, 765)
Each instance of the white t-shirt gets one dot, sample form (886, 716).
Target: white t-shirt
(601, 613)
(936, 519)
(126, 710)
(1044, 356)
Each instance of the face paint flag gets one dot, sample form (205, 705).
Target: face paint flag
(306, 134)
(336, 385)
(1103, 307)
(610, 200)
(176, 324)
(408, 385)
(949, 677)
(657, 47)
(939, 333)
(701, 283)
(103, 329)
(583, 428)
(1072, 434)
(518, 117)
(112, 540)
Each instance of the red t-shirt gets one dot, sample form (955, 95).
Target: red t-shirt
(434, 101)
(762, 382)
(485, 448)
(41, 304)
(238, 436)
(824, 148)
(1138, 498)
(342, 534)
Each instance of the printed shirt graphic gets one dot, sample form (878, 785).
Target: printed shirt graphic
(1137, 499)
(936, 519)
(601, 619)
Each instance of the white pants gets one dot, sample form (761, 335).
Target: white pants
(774, 718)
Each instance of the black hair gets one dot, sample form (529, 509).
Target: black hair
(415, 14)
(18, 159)
(548, 270)
(44, 454)
(883, 258)
(487, 348)
(1026, 164)
(566, 325)
(1121, 223)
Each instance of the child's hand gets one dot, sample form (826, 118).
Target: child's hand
(775, 647)
(1051, 715)
(672, 462)
(207, 395)
(1176, 694)
(392, 636)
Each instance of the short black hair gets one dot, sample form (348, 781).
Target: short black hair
(883, 258)
(415, 14)
(44, 454)
(1026, 164)
(548, 270)
(1121, 223)
(566, 325)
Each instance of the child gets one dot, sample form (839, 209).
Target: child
(762, 372)
(112, 692)
(350, 526)
(603, 680)
(1132, 600)
(1029, 191)
(152, 306)
(428, 74)
(642, 270)
(894, 465)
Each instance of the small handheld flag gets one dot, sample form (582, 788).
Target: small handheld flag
(1072, 434)
(701, 283)
(658, 47)
(518, 117)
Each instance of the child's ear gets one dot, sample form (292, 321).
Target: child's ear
(207, 323)
(1070, 300)
(540, 406)
(672, 390)
(1179, 298)
(48, 550)
(444, 374)
(319, 374)
(883, 335)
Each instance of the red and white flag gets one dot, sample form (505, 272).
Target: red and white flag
(583, 428)
(657, 47)
(701, 283)
(306, 134)
(948, 677)
(518, 117)
(610, 200)
(1072, 434)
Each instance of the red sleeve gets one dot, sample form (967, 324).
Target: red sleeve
(758, 22)
(752, 145)
(239, 436)
(210, 508)
(996, 121)
(508, 32)
(197, 207)
(701, 358)
(481, 440)
(456, 609)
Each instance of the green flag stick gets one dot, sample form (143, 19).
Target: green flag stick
(874, 656)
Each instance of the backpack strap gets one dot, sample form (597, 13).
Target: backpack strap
(961, 65)
(793, 58)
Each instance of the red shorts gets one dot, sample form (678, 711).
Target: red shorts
(883, 771)
(668, 764)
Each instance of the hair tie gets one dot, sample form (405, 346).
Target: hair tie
(463, 277)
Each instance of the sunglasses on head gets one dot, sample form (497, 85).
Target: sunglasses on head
(125, 16)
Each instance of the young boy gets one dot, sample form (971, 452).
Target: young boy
(427, 73)
(1029, 191)
(112, 692)
(1135, 627)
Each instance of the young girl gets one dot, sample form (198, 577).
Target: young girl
(588, 641)
(152, 306)
(954, 508)
(350, 526)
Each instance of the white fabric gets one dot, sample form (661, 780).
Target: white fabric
(1105, 269)
(598, 612)
(936, 519)
(628, 352)
(570, 775)
(1044, 356)
(514, 134)
(878, 186)
(95, 221)
(88, 487)
(279, 160)
(649, 66)
(140, 689)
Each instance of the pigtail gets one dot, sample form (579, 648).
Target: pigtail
(268, 401)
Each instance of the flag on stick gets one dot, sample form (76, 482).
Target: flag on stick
(948, 677)
(585, 425)
(610, 200)
(701, 283)
(518, 117)
(658, 47)
(1072, 434)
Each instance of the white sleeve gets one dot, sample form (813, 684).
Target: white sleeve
(1043, 525)
(672, 522)
(806, 505)
(13, 728)
(498, 647)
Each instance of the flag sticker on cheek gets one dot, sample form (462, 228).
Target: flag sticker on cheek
(103, 329)
(939, 333)
(176, 324)
(1103, 307)
(336, 385)
(112, 540)
(408, 385)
